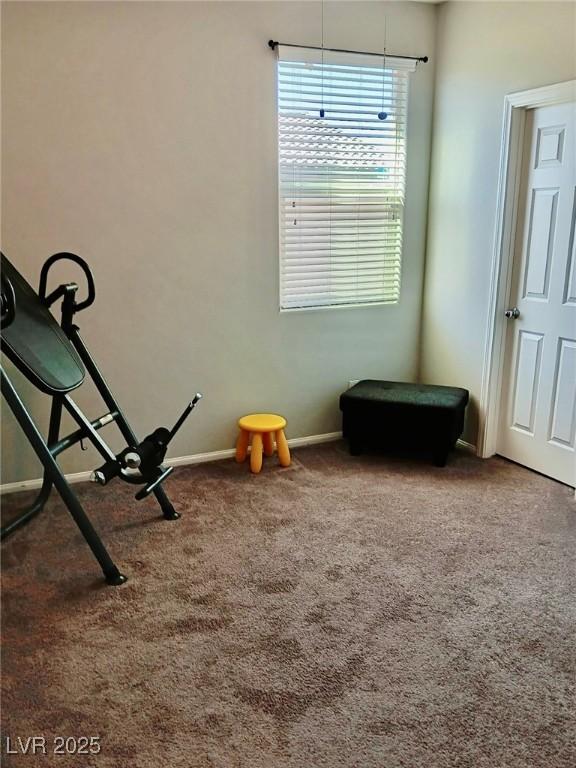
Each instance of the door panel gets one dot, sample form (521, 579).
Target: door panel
(540, 243)
(550, 146)
(527, 376)
(538, 414)
(570, 292)
(563, 413)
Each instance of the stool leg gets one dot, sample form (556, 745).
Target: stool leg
(256, 453)
(283, 450)
(268, 439)
(242, 445)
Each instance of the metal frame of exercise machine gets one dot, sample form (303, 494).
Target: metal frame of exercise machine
(140, 463)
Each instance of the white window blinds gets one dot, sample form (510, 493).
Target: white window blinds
(341, 178)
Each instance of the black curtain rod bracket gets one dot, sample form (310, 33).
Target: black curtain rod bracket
(273, 43)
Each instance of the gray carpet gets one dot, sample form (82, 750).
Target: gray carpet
(368, 612)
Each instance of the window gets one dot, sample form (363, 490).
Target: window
(341, 178)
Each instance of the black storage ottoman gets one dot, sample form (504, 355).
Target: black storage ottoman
(395, 415)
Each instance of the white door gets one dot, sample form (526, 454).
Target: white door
(538, 415)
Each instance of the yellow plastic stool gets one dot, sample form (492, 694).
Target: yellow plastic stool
(263, 427)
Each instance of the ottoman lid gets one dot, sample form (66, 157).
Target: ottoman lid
(403, 393)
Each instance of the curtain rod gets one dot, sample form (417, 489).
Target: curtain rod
(273, 43)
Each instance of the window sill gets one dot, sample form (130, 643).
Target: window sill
(291, 310)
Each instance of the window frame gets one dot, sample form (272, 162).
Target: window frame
(303, 55)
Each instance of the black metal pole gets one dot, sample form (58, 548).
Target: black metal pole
(89, 431)
(42, 498)
(273, 43)
(168, 510)
(54, 473)
(68, 441)
(56, 447)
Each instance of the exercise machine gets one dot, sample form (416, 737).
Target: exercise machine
(54, 358)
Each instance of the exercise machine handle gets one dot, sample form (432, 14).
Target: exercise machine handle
(150, 453)
(187, 411)
(146, 457)
(8, 302)
(87, 273)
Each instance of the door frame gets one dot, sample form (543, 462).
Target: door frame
(507, 202)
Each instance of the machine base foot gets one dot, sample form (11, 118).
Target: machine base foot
(116, 579)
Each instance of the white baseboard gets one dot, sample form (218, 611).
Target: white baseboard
(179, 461)
(468, 447)
(196, 458)
(31, 485)
(327, 437)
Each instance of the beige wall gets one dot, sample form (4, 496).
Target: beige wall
(143, 137)
(484, 51)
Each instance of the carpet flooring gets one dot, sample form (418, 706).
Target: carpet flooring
(344, 612)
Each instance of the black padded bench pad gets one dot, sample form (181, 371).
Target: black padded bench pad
(398, 414)
(36, 344)
(403, 394)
